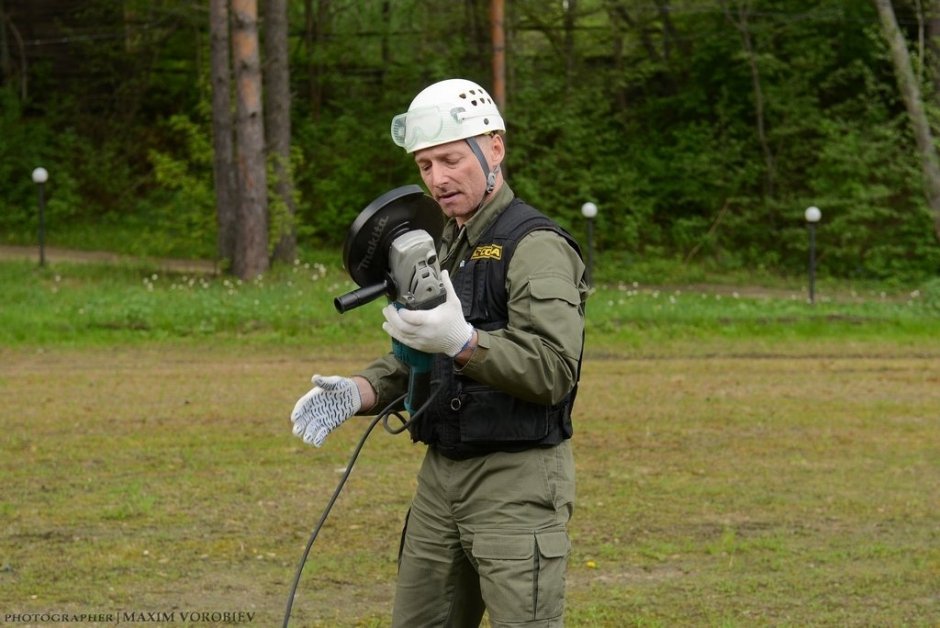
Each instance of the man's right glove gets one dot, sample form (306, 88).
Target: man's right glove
(331, 401)
(439, 330)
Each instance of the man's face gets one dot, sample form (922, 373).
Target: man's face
(454, 177)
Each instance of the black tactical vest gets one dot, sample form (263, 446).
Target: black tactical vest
(466, 418)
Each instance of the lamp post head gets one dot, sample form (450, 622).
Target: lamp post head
(812, 214)
(589, 210)
(40, 175)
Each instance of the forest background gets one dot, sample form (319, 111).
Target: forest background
(702, 129)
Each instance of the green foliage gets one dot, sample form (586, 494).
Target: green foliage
(339, 183)
(26, 144)
(930, 293)
(182, 208)
(280, 219)
(652, 115)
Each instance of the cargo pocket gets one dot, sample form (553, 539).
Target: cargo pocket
(522, 576)
(507, 566)
(553, 561)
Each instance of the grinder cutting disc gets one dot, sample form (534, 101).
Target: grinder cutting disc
(365, 252)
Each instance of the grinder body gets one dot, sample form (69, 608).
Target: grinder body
(416, 277)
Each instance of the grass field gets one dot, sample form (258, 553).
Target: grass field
(741, 461)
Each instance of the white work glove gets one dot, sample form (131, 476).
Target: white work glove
(331, 401)
(440, 330)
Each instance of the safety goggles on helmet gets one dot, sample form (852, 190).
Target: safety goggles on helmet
(427, 126)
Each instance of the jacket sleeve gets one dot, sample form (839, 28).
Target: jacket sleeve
(535, 357)
(388, 377)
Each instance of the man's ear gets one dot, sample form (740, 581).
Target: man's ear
(497, 149)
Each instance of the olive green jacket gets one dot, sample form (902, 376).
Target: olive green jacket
(536, 356)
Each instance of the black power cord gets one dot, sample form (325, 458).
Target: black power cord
(382, 416)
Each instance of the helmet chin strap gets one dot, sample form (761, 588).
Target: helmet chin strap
(489, 174)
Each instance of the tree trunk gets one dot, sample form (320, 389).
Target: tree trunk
(7, 30)
(910, 93)
(744, 30)
(315, 28)
(498, 33)
(615, 15)
(223, 165)
(498, 24)
(570, 17)
(251, 251)
(6, 67)
(933, 47)
(386, 45)
(277, 108)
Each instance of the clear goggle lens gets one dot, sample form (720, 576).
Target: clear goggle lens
(428, 124)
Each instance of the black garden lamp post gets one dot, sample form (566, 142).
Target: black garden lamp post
(589, 211)
(812, 215)
(40, 176)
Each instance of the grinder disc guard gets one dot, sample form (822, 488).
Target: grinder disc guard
(406, 208)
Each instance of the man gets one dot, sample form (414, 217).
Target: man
(487, 529)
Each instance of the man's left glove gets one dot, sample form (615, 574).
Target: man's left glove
(439, 330)
(331, 401)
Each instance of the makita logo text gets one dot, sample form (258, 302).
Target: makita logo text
(374, 241)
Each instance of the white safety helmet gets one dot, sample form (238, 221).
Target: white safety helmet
(450, 110)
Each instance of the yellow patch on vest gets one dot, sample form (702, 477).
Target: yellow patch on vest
(488, 251)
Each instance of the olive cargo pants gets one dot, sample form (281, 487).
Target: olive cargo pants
(488, 532)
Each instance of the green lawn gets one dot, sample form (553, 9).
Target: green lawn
(743, 460)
